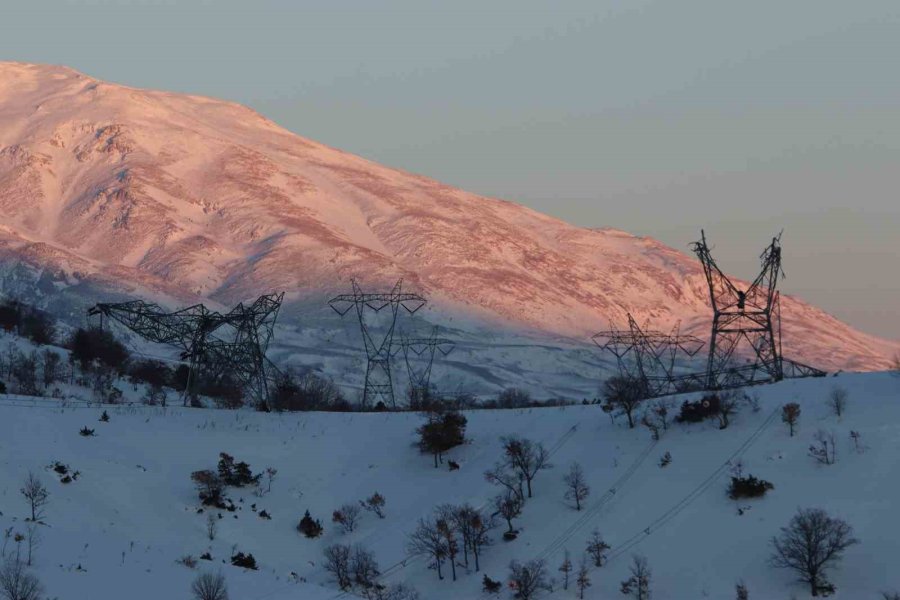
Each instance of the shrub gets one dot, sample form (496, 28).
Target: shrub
(209, 587)
(696, 412)
(513, 398)
(246, 561)
(491, 586)
(84, 431)
(311, 528)
(209, 486)
(152, 372)
(347, 517)
(236, 474)
(305, 392)
(18, 584)
(94, 344)
(374, 503)
(38, 326)
(748, 487)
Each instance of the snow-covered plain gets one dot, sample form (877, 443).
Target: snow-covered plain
(132, 512)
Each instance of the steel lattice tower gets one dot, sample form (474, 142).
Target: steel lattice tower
(648, 355)
(379, 381)
(423, 350)
(231, 344)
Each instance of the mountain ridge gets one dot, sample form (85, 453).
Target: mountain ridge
(107, 188)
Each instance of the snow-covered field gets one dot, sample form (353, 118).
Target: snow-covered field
(118, 530)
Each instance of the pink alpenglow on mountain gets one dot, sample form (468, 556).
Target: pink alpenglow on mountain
(106, 189)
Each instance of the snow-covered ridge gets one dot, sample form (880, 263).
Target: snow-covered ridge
(106, 188)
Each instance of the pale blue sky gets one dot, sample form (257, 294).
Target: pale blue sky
(655, 117)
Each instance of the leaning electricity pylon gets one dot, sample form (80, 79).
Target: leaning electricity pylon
(217, 345)
(649, 356)
(419, 353)
(379, 381)
(746, 320)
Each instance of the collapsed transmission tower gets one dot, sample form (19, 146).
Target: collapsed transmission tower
(746, 319)
(378, 345)
(422, 351)
(216, 345)
(648, 356)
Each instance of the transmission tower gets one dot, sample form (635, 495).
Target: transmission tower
(419, 353)
(649, 356)
(746, 320)
(378, 345)
(218, 345)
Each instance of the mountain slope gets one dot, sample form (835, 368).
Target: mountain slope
(105, 188)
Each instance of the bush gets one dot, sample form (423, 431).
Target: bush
(311, 528)
(16, 583)
(209, 486)
(513, 398)
(696, 412)
(94, 344)
(306, 392)
(748, 487)
(38, 326)
(236, 474)
(209, 587)
(151, 372)
(246, 561)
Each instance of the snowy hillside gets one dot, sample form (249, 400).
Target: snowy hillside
(120, 527)
(108, 192)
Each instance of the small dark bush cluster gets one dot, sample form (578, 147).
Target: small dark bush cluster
(311, 528)
(246, 561)
(491, 586)
(30, 322)
(95, 345)
(306, 392)
(748, 487)
(66, 474)
(697, 412)
(84, 431)
(104, 418)
(206, 556)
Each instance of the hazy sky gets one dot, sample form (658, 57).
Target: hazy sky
(655, 117)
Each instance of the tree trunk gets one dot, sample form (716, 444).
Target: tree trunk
(440, 575)
(475, 552)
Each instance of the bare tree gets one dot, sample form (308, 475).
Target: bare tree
(728, 406)
(638, 585)
(212, 525)
(823, 450)
(427, 539)
(512, 481)
(52, 367)
(583, 579)
(837, 400)
(525, 457)
(209, 587)
(347, 517)
(528, 579)
(740, 591)
(661, 409)
(34, 540)
(36, 495)
(565, 568)
(445, 527)
(337, 562)
(481, 526)
(472, 527)
(624, 393)
(577, 489)
(597, 548)
(508, 506)
(16, 583)
(812, 543)
(790, 414)
(363, 566)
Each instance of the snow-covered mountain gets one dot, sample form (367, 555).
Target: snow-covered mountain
(108, 189)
